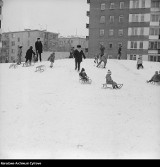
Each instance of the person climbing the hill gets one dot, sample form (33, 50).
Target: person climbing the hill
(103, 59)
(51, 58)
(139, 63)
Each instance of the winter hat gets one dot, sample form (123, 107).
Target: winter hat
(109, 72)
(83, 69)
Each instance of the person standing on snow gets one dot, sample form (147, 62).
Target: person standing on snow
(39, 49)
(103, 59)
(51, 59)
(78, 54)
(19, 55)
(29, 54)
(102, 48)
(139, 63)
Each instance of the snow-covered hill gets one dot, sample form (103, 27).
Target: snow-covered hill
(51, 115)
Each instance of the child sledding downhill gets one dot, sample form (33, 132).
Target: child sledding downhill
(83, 77)
(109, 81)
(51, 59)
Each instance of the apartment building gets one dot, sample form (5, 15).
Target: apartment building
(66, 43)
(26, 38)
(134, 24)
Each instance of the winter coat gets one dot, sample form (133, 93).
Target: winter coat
(38, 46)
(102, 48)
(139, 61)
(19, 54)
(51, 58)
(156, 78)
(104, 58)
(78, 55)
(29, 54)
(109, 79)
(83, 74)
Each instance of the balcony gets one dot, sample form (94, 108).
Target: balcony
(88, 1)
(88, 13)
(87, 25)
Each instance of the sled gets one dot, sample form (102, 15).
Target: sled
(109, 86)
(154, 83)
(13, 65)
(83, 81)
(26, 65)
(40, 68)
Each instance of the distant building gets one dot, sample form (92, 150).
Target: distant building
(1, 4)
(134, 24)
(66, 43)
(26, 38)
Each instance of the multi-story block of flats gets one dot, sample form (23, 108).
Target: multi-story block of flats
(26, 38)
(134, 24)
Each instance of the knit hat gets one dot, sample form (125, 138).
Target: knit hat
(109, 72)
(83, 69)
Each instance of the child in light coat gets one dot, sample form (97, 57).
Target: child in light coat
(51, 59)
(139, 63)
(110, 81)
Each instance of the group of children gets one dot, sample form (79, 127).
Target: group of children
(109, 79)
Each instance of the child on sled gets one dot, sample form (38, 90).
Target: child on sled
(110, 81)
(155, 77)
(51, 59)
(83, 75)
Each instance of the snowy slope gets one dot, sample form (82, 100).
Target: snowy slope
(51, 115)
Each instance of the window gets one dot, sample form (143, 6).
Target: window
(18, 39)
(135, 18)
(143, 3)
(154, 31)
(135, 3)
(121, 5)
(133, 45)
(111, 19)
(154, 17)
(121, 18)
(142, 17)
(112, 6)
(134, 31)
(141, 45)
(103, 6)
(110, 45)
(155, 4)
(13, 35)
(13, 51)
(101, 32)
(111, 32)
(102, 19)
(153, 45)
(120, 32)
(13, 43)
(142, 31)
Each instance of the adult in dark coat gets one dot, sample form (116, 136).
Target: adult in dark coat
(78, 54)
(38, 47)
(102, 48)
(29, 54)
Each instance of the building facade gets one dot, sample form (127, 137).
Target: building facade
(134, 24)
(26, 38)
(66, 43)
(1, 4)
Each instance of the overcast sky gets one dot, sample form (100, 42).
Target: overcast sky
(66, 17)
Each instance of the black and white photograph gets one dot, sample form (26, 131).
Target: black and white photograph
(79, 79)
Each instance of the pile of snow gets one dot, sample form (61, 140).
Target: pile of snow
(51, 115)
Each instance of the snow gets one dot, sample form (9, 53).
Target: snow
(50, 115)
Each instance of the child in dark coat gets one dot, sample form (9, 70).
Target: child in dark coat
(110, 81)
(155, 77)
(83, 74)
(51, 59)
